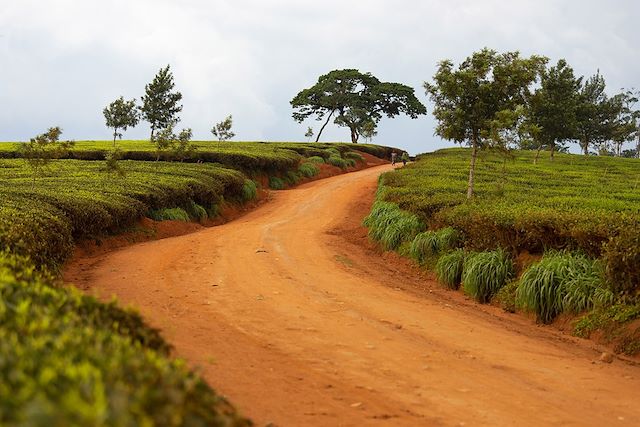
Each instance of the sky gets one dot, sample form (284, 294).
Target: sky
(63, 61)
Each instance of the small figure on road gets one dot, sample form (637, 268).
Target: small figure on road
(394, 156)
(404, 158)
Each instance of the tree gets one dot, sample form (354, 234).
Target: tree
(160, 104)
(355, 99)
(553, 107)
(368, 130)
(595, 114)
(470, 100)
(625, 124)
(222, 130)
(39, 151)
(180, 144)
(120, 115)
(309, 133)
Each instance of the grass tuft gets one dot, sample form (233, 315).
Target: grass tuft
(173, 214)
(484, 273)
(276, 183)
(562, 281)
(392, 226)
(316, 159)
(308, 170)
(449, 268)
(431, 243)
(249, 190)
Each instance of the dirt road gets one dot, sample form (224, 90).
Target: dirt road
(289, 313)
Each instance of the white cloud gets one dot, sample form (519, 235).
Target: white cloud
(62, 61)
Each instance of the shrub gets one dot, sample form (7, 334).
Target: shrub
(449, 268)
(484, 273)
(67, 359)
(292, 178)
(196, 212)
(506, 296)
(276, 183)
(559, 282)
(173, 214)
(249, 190)
(308, 170)
(621, 256)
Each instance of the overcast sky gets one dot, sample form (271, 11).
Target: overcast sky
(63, 61)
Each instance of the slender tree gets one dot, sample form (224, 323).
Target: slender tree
(179, 145)
(353, 98)
(160, 104)
(553, 107)
(39, 151)
(595, 114)
(222, 130)
(120, 115)
(469, 99)
(309, 133)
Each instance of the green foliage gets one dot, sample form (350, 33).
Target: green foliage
(276, 183)
(196, 212)
(449, 268)
(309, 169)
(357, 99)
(391, 226)
(170, 214)
(353, 156)
(121, 115)
(249, 190)
(562, 282)
(39, 151)
(430, 243)
(67, 359)
(606, 318)
(621, 255)
(222, 130)
(179, 145)
(160, 105)
(484, 273)
(316, 159)
(111, 162)
(506, 296)
(292, 177)
(337, 161)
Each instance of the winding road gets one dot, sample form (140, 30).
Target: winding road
(294, 316)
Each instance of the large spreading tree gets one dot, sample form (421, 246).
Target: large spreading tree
(354, 100)
(472, 98)
(160, 103)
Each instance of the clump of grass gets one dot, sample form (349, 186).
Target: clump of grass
(334, 152)
(173, 214)
(214, 210)
(308, 170)
(291, 177)
(431, 243)
(484, 273)
(276, 183)
(560, 282)
(316, 159)
(249, 190)
(449, 268)
(337, 161)
(392, 226)
(353, 156)
(197, 212)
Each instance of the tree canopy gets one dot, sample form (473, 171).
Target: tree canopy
(356, 99)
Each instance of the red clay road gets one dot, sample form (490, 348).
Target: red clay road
(299, 324)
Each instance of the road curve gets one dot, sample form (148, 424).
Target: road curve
(300, 326)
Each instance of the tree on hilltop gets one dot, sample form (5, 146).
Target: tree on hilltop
(160, 104)
(222, 130)
(120, 115)
(355, 99)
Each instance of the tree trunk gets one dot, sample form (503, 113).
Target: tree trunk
(115, 134)
(323, 126)
(585, 147)
(638, 146)
(354, 135)
(153, 129)
(535, 160)
(553, 148)
(472, 168)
